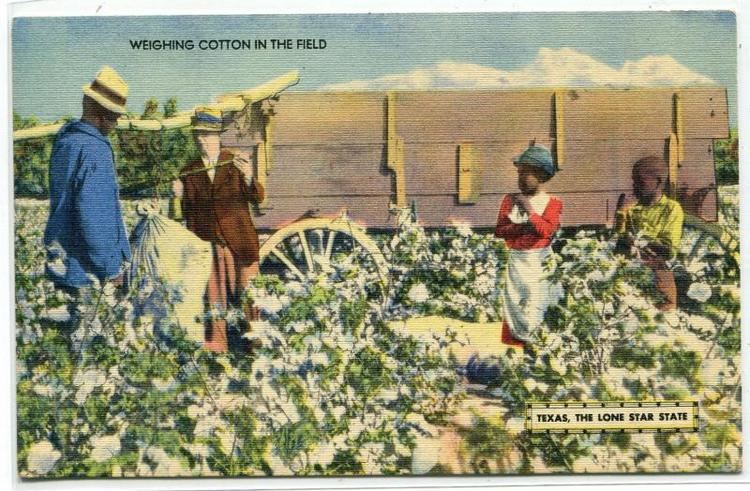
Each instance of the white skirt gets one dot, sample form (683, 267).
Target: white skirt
(527, 294)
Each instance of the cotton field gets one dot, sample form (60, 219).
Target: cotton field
(105, 390)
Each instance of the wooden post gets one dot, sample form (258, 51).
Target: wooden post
(676, 145)
(559, 128)
(262, 168)
(469, 175)
(395, 151)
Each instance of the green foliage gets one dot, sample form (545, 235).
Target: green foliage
(31, 160)
(726, 158)
(146, 161)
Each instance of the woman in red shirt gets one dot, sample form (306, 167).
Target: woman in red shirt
(528, 221)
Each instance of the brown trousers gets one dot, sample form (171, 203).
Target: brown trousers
(664, 282)
(229, 278)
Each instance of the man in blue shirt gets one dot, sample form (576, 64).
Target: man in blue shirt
(85, 233)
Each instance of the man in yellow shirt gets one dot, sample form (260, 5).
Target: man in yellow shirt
(657, 219)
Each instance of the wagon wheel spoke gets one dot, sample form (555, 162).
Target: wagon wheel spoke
(329, 245)
(306, 250)
(282, 257)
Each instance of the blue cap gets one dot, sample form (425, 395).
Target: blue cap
(537, 156)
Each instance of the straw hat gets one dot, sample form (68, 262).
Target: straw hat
(207, 119)
(108, 89)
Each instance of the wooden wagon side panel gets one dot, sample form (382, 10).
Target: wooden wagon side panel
(330, 150)
(320, 118)
(473, 116)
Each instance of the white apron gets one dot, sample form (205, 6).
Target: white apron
(527, 292)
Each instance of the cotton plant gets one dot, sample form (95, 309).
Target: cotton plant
(454, 272)
(605, 340)
(336, 390)
(103, 391)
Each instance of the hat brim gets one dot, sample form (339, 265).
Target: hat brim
(103, 101)
(200, 127)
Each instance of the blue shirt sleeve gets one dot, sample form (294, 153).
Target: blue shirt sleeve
(99, 216)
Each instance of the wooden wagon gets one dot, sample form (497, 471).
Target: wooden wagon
(449, 155)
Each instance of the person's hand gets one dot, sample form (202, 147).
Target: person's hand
(242, 162)
(524, 204)
(620, 202)
(178, 188)
(118, 281)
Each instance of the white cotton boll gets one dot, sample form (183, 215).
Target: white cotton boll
(42, 457)
(269, 303)
(166, 466)
(227, 439)
(695, 266)
(701, 323)
(713, 370)
(206, 425)
(319, 358)
(699, 291)
(338, 411)
(514, 426)
(463, 229)
(324, 454)
(418, 293)
(105, 447)
(277, 465)
(356, 427)
(426, 455)
(58, 314)
(43, 390)
(194, 411)
(464, 419)
(163, 385)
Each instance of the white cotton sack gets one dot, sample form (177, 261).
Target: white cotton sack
(164, 249)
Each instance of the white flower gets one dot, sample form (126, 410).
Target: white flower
(418, 293)
(42, 457)
(700, 292)
(105, 447)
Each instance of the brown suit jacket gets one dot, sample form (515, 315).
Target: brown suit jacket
(218, 211)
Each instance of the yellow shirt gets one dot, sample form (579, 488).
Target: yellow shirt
(660, 222)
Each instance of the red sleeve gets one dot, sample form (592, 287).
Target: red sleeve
(506, 229)
(547, 224)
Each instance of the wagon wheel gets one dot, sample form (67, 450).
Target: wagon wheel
(307, 247)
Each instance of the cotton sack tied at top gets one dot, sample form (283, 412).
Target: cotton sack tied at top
(165, 252)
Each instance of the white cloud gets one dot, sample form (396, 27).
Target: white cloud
(564, 67)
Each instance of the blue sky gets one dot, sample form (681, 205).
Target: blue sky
(54, 57)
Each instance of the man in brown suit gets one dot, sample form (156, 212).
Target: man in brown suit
(215, 207)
